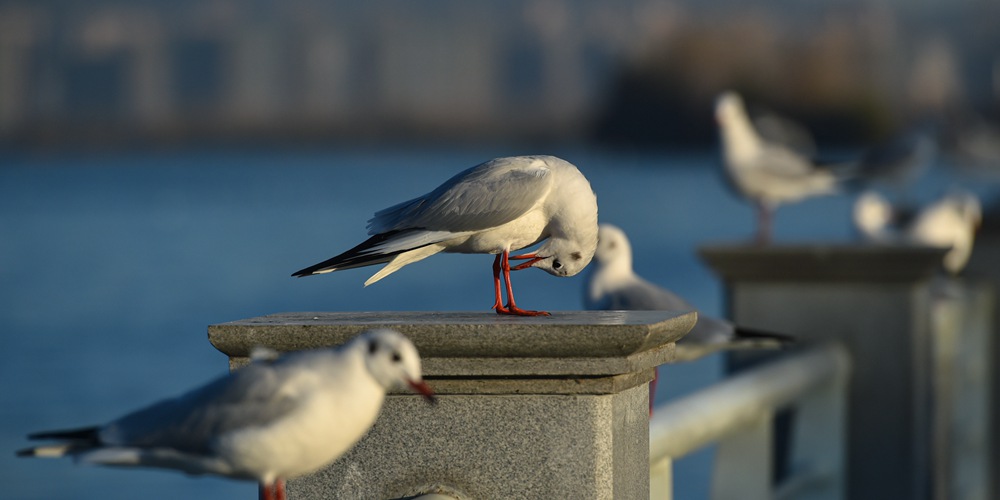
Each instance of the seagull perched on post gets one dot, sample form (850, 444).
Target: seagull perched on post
(612, 284)
(273, 420)
(766, 173)
(496, 207)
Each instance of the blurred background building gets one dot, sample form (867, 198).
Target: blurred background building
(634, 72)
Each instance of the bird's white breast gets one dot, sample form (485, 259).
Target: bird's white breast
(324, 425)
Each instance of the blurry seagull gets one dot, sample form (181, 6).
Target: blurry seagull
(766, 173)
(950, 222)
(276, 419)
(613, 285)
(496, 207)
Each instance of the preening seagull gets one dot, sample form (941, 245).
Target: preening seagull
(612, 284)
(766, 173)
(950, 222)
(496, 207)
(276, 419)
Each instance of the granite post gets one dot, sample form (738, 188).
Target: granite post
(551, 407)
(875, 300)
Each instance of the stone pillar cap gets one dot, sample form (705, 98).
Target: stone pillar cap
(823, 262)
(481, 344)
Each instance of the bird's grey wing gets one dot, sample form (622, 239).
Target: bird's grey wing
(709, 330)
(641, 295)
(484, 196)
(250, 397)
(783, 162)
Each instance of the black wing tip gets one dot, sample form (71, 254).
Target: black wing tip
(82, 434)
(312, 270)
(750, 333)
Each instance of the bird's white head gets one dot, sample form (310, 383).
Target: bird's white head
(562, 257)
(573, 224)
(728, 105)
(393, 361)
(613, 247)
(872, 215)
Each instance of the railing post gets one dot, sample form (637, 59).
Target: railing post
(875, 301)
(661, 480)
(552, 407)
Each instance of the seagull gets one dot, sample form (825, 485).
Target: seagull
(496, 207)
(766, 173)
(950, 222)
(276, 419)
(612, 284)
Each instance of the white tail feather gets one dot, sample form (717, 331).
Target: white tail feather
(51, 451)
(404, 259)
(112, 456)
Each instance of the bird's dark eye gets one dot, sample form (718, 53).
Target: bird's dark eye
(396, 358)
(576, 255)
(556, 264)
(372, 347)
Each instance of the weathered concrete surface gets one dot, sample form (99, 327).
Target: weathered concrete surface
(551, 407)
(497, 447)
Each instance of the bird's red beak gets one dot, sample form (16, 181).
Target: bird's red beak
(423, 389)
(532, 258)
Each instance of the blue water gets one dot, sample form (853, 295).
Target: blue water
(112, 266)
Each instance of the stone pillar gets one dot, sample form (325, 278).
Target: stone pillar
(551, 407)
(875, 300)
(984, 265)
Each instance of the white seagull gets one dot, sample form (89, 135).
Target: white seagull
(496, 207)
(950, 222)
(612, 284)
(766, 173)
(273, 420)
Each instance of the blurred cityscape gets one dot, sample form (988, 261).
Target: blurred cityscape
(640, 72)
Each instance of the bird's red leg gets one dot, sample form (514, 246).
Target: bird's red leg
(279, 489)
(765, 219)
(498, 303)
(511, 306)
(264, 492)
